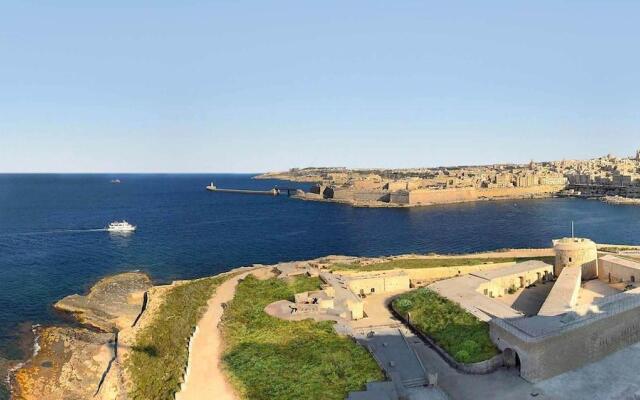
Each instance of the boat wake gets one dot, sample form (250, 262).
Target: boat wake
(53, 232)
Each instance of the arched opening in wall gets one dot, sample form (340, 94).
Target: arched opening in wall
(633, 278)
(511, 358)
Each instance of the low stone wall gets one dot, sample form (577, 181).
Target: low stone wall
(419, 276)
(479, 368)
(428, 275)
(187, 368)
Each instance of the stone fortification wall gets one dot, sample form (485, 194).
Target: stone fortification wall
(379, 282)
(497, 287)
(421, 276)
(564, 293)
(614, 269)
(573, 345)
(400, 197)
(349, 194)
(444, 196)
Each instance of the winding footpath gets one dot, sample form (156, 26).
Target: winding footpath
(205, 379)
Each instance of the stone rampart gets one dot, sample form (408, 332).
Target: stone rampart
(563, 345)
(445, 196)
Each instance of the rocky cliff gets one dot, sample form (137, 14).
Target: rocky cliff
(83, 363)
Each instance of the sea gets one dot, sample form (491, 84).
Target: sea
(53, 242)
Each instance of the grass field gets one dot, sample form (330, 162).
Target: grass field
(461, 334)
(157, 361)
(268, 358)
(412, 263)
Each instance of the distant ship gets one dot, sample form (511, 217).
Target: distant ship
(115, 181)
(122, 226)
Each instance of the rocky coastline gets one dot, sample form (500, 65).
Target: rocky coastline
(84, 362)
(620, 200)
(88, 361)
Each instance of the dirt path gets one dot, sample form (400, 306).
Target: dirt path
(205, 379)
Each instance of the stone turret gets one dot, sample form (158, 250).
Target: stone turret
(576, 252)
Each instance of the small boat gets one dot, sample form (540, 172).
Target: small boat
(121, 226)
(115, 181)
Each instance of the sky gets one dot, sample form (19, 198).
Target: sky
(251, 86)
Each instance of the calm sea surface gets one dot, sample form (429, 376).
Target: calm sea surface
(50, 246)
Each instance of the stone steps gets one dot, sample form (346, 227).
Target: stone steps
(415, 382)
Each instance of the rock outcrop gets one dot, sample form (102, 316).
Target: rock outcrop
(80, 363)
(70, 365)
(112, 304)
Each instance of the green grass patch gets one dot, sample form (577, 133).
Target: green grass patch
(268, 358)
(458, 332)
(413, 263)
(158, 359)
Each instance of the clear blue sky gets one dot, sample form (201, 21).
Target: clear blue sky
(212, 86)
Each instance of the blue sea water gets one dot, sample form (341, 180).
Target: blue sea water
(50, 245)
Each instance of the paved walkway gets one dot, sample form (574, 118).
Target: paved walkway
(205, 379)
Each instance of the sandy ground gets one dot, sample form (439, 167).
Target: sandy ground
(206, 379)
(596, 289)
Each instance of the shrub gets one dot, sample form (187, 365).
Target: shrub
(403, 305)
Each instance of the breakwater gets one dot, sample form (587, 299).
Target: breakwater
(272, 192)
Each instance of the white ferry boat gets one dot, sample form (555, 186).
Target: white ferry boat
(122, 226)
